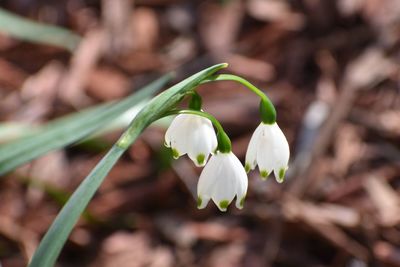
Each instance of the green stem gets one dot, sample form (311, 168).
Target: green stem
(224, 143)
(267, 109)
(195, 102)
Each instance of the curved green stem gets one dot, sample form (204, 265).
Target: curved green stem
(224, 143)
(267, 109)
(195, 101)
(231, 77)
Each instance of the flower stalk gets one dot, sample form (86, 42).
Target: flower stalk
(267, 109)
(195, 102)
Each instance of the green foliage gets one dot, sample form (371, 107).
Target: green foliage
(32, 31)
(70, 129)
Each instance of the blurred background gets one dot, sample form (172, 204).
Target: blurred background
(330, 67)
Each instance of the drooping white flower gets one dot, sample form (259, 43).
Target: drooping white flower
(221, 180)
(269, 149)
(193, 135)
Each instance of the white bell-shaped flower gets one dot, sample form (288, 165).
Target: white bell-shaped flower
(269, 149)
(193, 135)
(221, 180)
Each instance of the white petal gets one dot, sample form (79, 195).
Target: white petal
(201, 141)
(207, 180)
(241, 181)
(265, 155)
(180, 143)
(169, 134)
(280, 151)
(221, 188)
(225, 189)
(281, 147)
(211, 136)
(251, 154)
(176, 133)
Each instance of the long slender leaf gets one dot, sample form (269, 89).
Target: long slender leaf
(32, 31)
(52, 243)
(69, 129)
(55, 237)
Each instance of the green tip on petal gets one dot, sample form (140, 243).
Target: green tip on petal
(200, 159)
(242, 201)
(223, 205)
(175, 153)
(199, 202)
(264, 174)
(247, 167)
(281, 175)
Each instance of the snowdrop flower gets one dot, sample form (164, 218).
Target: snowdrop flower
(221, 180)
(269, 149)
(193, 135)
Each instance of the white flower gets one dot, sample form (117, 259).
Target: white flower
(191, 134)
(269, 149)
(221, 180)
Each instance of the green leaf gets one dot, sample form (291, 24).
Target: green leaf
(69, 129)
(32, 31)
(53, 241)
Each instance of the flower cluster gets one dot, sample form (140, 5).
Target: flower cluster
(224, 177)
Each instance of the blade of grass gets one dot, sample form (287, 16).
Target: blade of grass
(70, 129)
(36, 32)
(53, 241)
